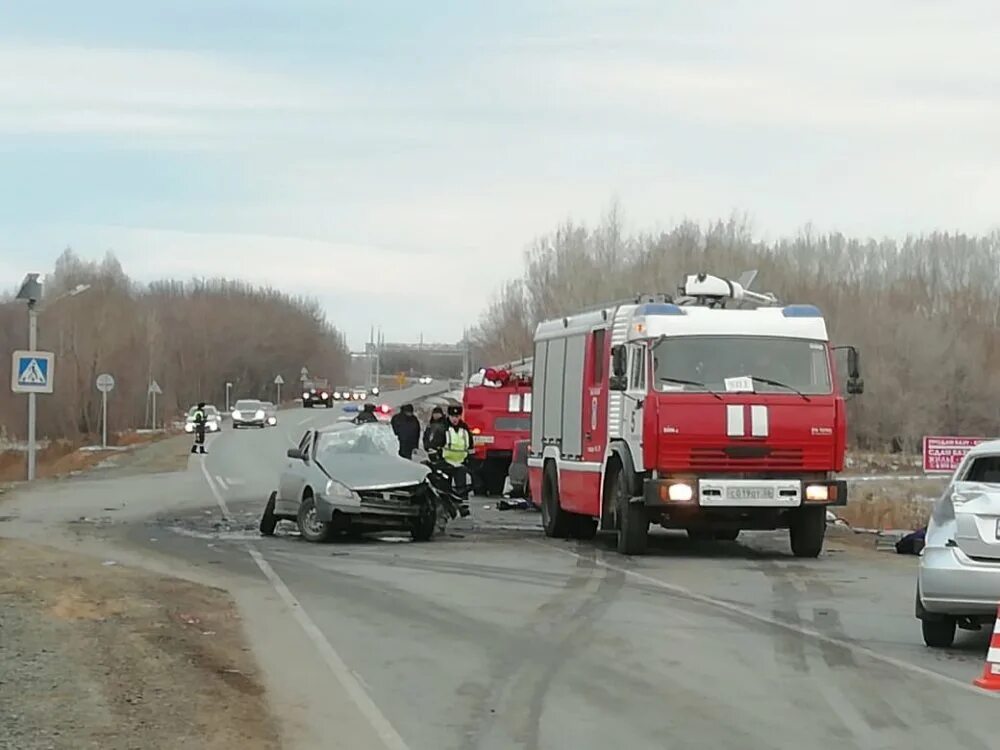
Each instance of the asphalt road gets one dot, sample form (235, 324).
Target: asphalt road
(494, 637)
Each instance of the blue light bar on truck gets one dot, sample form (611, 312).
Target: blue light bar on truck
(801, 311)
(659, 308)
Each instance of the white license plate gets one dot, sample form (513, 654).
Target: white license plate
(754, 494)
(483, 439)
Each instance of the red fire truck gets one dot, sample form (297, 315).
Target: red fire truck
(716, 411)
(497, 406)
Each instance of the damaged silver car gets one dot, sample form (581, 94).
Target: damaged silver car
(959, 580)
(350, 478)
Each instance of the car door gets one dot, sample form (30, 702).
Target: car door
(634, 402)
(293, 477)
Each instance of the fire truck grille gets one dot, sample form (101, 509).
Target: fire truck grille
(746, 458)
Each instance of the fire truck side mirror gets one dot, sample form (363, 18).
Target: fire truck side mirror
(855, 386)
(619, 361)
(853, 363)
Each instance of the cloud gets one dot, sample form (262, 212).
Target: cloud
(66, 89)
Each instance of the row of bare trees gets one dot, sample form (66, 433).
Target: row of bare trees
(924, 311)
(191, 338)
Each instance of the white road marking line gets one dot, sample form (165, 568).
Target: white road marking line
(215, 490)
(222, 482)
(344, 675)
(303, 421)
(746, 612)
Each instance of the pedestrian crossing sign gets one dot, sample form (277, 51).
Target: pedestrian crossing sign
(31, 372)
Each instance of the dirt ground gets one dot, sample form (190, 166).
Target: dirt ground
(98, 655)
(146, 453)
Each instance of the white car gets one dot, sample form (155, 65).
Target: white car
(249, 413)
(213, 420)
(425, 380)
(958, 585)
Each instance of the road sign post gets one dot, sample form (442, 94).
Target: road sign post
(32, 373)
(229, 387)
(278, 382)
(154, 391)
(105, 384)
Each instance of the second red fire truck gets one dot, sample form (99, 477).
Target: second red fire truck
(497, 407)
(716, 411)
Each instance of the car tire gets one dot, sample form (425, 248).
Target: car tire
(727, 535)
(269, 521)
(807, 531)
(311, 528)
(555, 520)
(633, 524)
(939, 632)
(424, 525)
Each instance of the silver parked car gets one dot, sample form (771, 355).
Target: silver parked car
(249, 413)
(349, 477)
(959, 579)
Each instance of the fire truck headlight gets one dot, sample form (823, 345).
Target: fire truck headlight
(817, 493)
(680, 493)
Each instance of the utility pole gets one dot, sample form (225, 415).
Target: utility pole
(32, 346)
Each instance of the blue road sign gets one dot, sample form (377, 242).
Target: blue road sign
(31, 372)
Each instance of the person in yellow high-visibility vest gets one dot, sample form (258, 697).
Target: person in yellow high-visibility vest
(456, 447)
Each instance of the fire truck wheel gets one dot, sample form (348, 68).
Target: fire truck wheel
(727, 535)
(555, 521)
(632, 523)
(807, 530)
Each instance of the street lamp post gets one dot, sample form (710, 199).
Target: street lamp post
(229, 387)
(31, 292)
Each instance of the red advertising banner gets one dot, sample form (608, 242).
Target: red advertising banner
(943, 454)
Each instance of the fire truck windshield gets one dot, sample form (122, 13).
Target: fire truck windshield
(777, 365)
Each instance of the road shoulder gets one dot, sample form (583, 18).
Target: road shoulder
(100, 655)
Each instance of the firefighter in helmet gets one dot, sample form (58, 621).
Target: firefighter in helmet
(200, 424)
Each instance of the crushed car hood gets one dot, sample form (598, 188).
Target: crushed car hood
(368, 472)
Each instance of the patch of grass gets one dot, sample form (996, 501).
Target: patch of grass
(893, 504)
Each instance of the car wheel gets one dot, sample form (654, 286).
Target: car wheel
(269, 521)
(424, 524)
(727, 535)
(311, 528)
(807, 531)
(633, 525)
(555, 521)
(939, 632)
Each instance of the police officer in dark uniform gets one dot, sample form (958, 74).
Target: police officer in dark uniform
(407, 428)
(200, 424)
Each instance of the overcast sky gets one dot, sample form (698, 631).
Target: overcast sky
(368, 152)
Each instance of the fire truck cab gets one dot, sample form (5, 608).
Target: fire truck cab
(695, 412)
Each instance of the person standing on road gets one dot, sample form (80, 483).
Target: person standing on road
(407, 428)
(434, 434)
(456, 448)
(200, 421)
